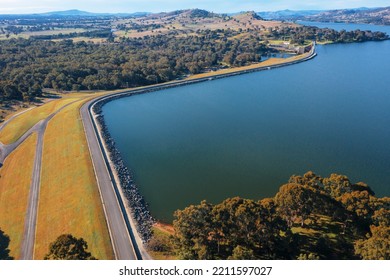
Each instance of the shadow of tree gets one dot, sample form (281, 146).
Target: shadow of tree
(4, 243)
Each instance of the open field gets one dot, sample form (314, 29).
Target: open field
(17, 127)
(186, 23)
(69, 197)
(15, 180)
(57, 31)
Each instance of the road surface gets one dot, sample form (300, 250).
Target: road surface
(119, 232)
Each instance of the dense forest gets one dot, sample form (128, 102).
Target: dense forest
(298, 35)
(311, 217)
(27, 66)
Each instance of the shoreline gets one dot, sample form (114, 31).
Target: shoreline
(135, 208)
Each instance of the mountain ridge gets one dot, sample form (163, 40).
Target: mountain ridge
(379, 16)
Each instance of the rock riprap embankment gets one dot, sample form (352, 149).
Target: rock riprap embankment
(135, 200)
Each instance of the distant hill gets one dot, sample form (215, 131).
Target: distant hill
(364, 15)
(76, 13)
(68, 13)
(287, 14)
(359, 15)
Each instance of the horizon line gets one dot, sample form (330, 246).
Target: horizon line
(114, 13)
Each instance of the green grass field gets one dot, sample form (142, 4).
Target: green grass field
(15, 181)
(69, 197)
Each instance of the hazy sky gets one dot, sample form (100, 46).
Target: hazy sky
(36, 6)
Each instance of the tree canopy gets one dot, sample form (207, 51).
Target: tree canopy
(4, 243)
(29, 65)
(311, 217)
(236, 228)
(68, 247)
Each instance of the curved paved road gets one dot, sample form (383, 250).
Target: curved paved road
(119, 232)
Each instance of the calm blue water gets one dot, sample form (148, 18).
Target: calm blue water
(245, 135)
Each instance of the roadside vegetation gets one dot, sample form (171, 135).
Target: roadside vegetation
(69, 197)
(311, 217)
(22, 123)
(15, 181)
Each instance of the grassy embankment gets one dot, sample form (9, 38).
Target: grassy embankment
(69, 197)
(18, 126)
(15, 180)
(268, 63)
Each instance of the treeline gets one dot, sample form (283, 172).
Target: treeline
(17, 24)
(311, 217)
(298, 35)
(103, 33)
(28, 66)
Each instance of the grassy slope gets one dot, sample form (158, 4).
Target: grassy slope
(17, 127)
(268, 62)
(69, 197)
(14, 192)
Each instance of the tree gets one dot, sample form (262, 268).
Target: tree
(242, 253)
(295, 201)
(237, 228)
(309, 256)
(193, 227)
(4, 243)
(377, 246)
(68, 247)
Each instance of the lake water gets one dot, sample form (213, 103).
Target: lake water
(348, 27)
(245, 135)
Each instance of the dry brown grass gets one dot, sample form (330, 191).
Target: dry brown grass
(267, 63)
(18, 126)
(69, 197)
(15, 181)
